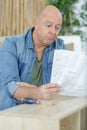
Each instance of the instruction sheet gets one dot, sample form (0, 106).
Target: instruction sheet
(69, 70)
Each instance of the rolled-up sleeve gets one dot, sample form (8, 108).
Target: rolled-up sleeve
(12, 87)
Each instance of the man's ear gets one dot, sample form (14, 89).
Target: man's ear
(35, 22)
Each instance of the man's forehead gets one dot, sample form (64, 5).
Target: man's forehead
(51, 20)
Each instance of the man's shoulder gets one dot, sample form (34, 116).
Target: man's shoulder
(60, 43)
(15, 43)
(16, 38)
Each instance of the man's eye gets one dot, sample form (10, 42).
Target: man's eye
(48, 25)
(57, 28)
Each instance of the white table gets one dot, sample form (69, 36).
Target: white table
(64, 115)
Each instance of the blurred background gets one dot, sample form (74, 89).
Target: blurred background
(17, 16)
(74, 14)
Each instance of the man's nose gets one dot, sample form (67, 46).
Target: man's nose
(53, 31)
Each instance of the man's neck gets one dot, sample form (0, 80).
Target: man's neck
(39, 48)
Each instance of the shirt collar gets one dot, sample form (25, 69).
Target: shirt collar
(29, 40)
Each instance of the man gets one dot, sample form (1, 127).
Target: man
(26, 61)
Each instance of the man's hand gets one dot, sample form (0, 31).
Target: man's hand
(44, 92)
(48, 91)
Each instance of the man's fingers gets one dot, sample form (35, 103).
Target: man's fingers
(51, 85)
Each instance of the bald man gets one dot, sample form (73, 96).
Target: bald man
(27, 59)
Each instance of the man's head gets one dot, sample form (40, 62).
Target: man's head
(47, 25)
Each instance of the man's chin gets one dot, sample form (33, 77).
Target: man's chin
(47, 44)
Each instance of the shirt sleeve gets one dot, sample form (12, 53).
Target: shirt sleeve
(60, 44)
(9, 72)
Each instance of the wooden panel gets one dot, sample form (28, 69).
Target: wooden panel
(70, 46)
(72, 122)
(84, 119)
(16, 16)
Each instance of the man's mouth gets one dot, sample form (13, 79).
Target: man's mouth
(50, 38)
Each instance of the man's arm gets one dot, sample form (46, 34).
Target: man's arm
(9, 72)
(45, 92)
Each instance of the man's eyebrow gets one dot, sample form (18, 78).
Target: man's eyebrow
(51, 23)
(48, 22)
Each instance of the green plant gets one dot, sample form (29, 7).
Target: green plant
(66, 8)
(80, 19)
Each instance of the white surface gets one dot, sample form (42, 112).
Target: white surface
(75, 39)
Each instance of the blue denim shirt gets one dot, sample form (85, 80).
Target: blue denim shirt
(17, 57)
